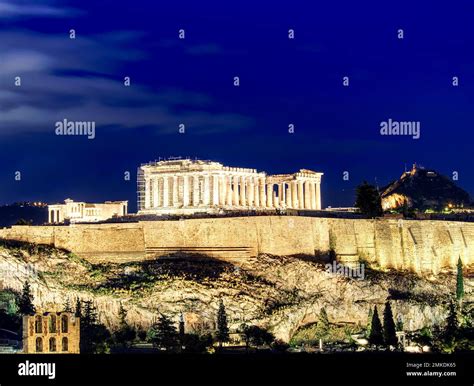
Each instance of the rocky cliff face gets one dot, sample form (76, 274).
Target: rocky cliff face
(278, 293)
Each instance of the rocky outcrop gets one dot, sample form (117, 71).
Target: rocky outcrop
(422, 189)
(278, 293)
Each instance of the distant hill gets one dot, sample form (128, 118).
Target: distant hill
(11, 214)
(423, 189)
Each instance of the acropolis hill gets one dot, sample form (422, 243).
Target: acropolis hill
(284, 227)
(206, 237)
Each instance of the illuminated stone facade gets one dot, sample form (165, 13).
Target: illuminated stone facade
(189, 186)
(51, 333)
(73, 211)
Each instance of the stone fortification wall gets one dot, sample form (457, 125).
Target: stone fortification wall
(418, 245)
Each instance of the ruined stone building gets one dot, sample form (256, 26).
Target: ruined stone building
(51, 333)
(73, 211)
(185, 186)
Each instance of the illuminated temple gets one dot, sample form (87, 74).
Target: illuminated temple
(183, 186)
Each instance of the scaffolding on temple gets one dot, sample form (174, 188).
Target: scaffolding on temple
(140, 189)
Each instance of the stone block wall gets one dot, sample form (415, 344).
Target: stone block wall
(421, 246)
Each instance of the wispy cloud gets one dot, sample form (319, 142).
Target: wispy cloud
(65, 78)
(14, 9)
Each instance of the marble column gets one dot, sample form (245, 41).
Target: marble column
(196, 198)
(165, 192)
(256, 193)
(289, 202)
(300, 195)
(318, 194)
(186, 190)
(207, 190)
(251, 192)
(147, 193)
(243, 191)
(215, 190)
(294, 194)
(175, 192)
(280, 194)
(155, 192)
(230, 197)
(222, 190)
(236, 191)
(307, 195)
(270, 195)
(49, 216)
(282, 191)
(313, 195)
(263, 196)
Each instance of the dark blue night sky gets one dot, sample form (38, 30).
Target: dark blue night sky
(190, 81)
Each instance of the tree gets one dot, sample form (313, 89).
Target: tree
(163, 333)
(222, 327)
(459, 281)
(125, 334)
(25, 303)
(90, 313)
(368, 200)
(399, 324)
(376, 333)
(12, 308)
(451, 327)
(78, 311)
(280, 346)
(181, 333)
(67, 306)
(323, 324)
(194, 343)
(95, 338)
(256, 336)
(389, 335)
(369, 322)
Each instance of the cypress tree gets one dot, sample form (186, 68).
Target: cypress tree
(122, 316)
(369, 321)
(125, 334)
(25, 303)
(181, 326)
(222, 327)
(90, 317)
(324, 320)
(451, 322)
(390, 337)
(376, 332)
(459, 281)
(78, 312)
(323, 324)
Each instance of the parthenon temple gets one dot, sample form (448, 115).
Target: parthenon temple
(183, 186)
